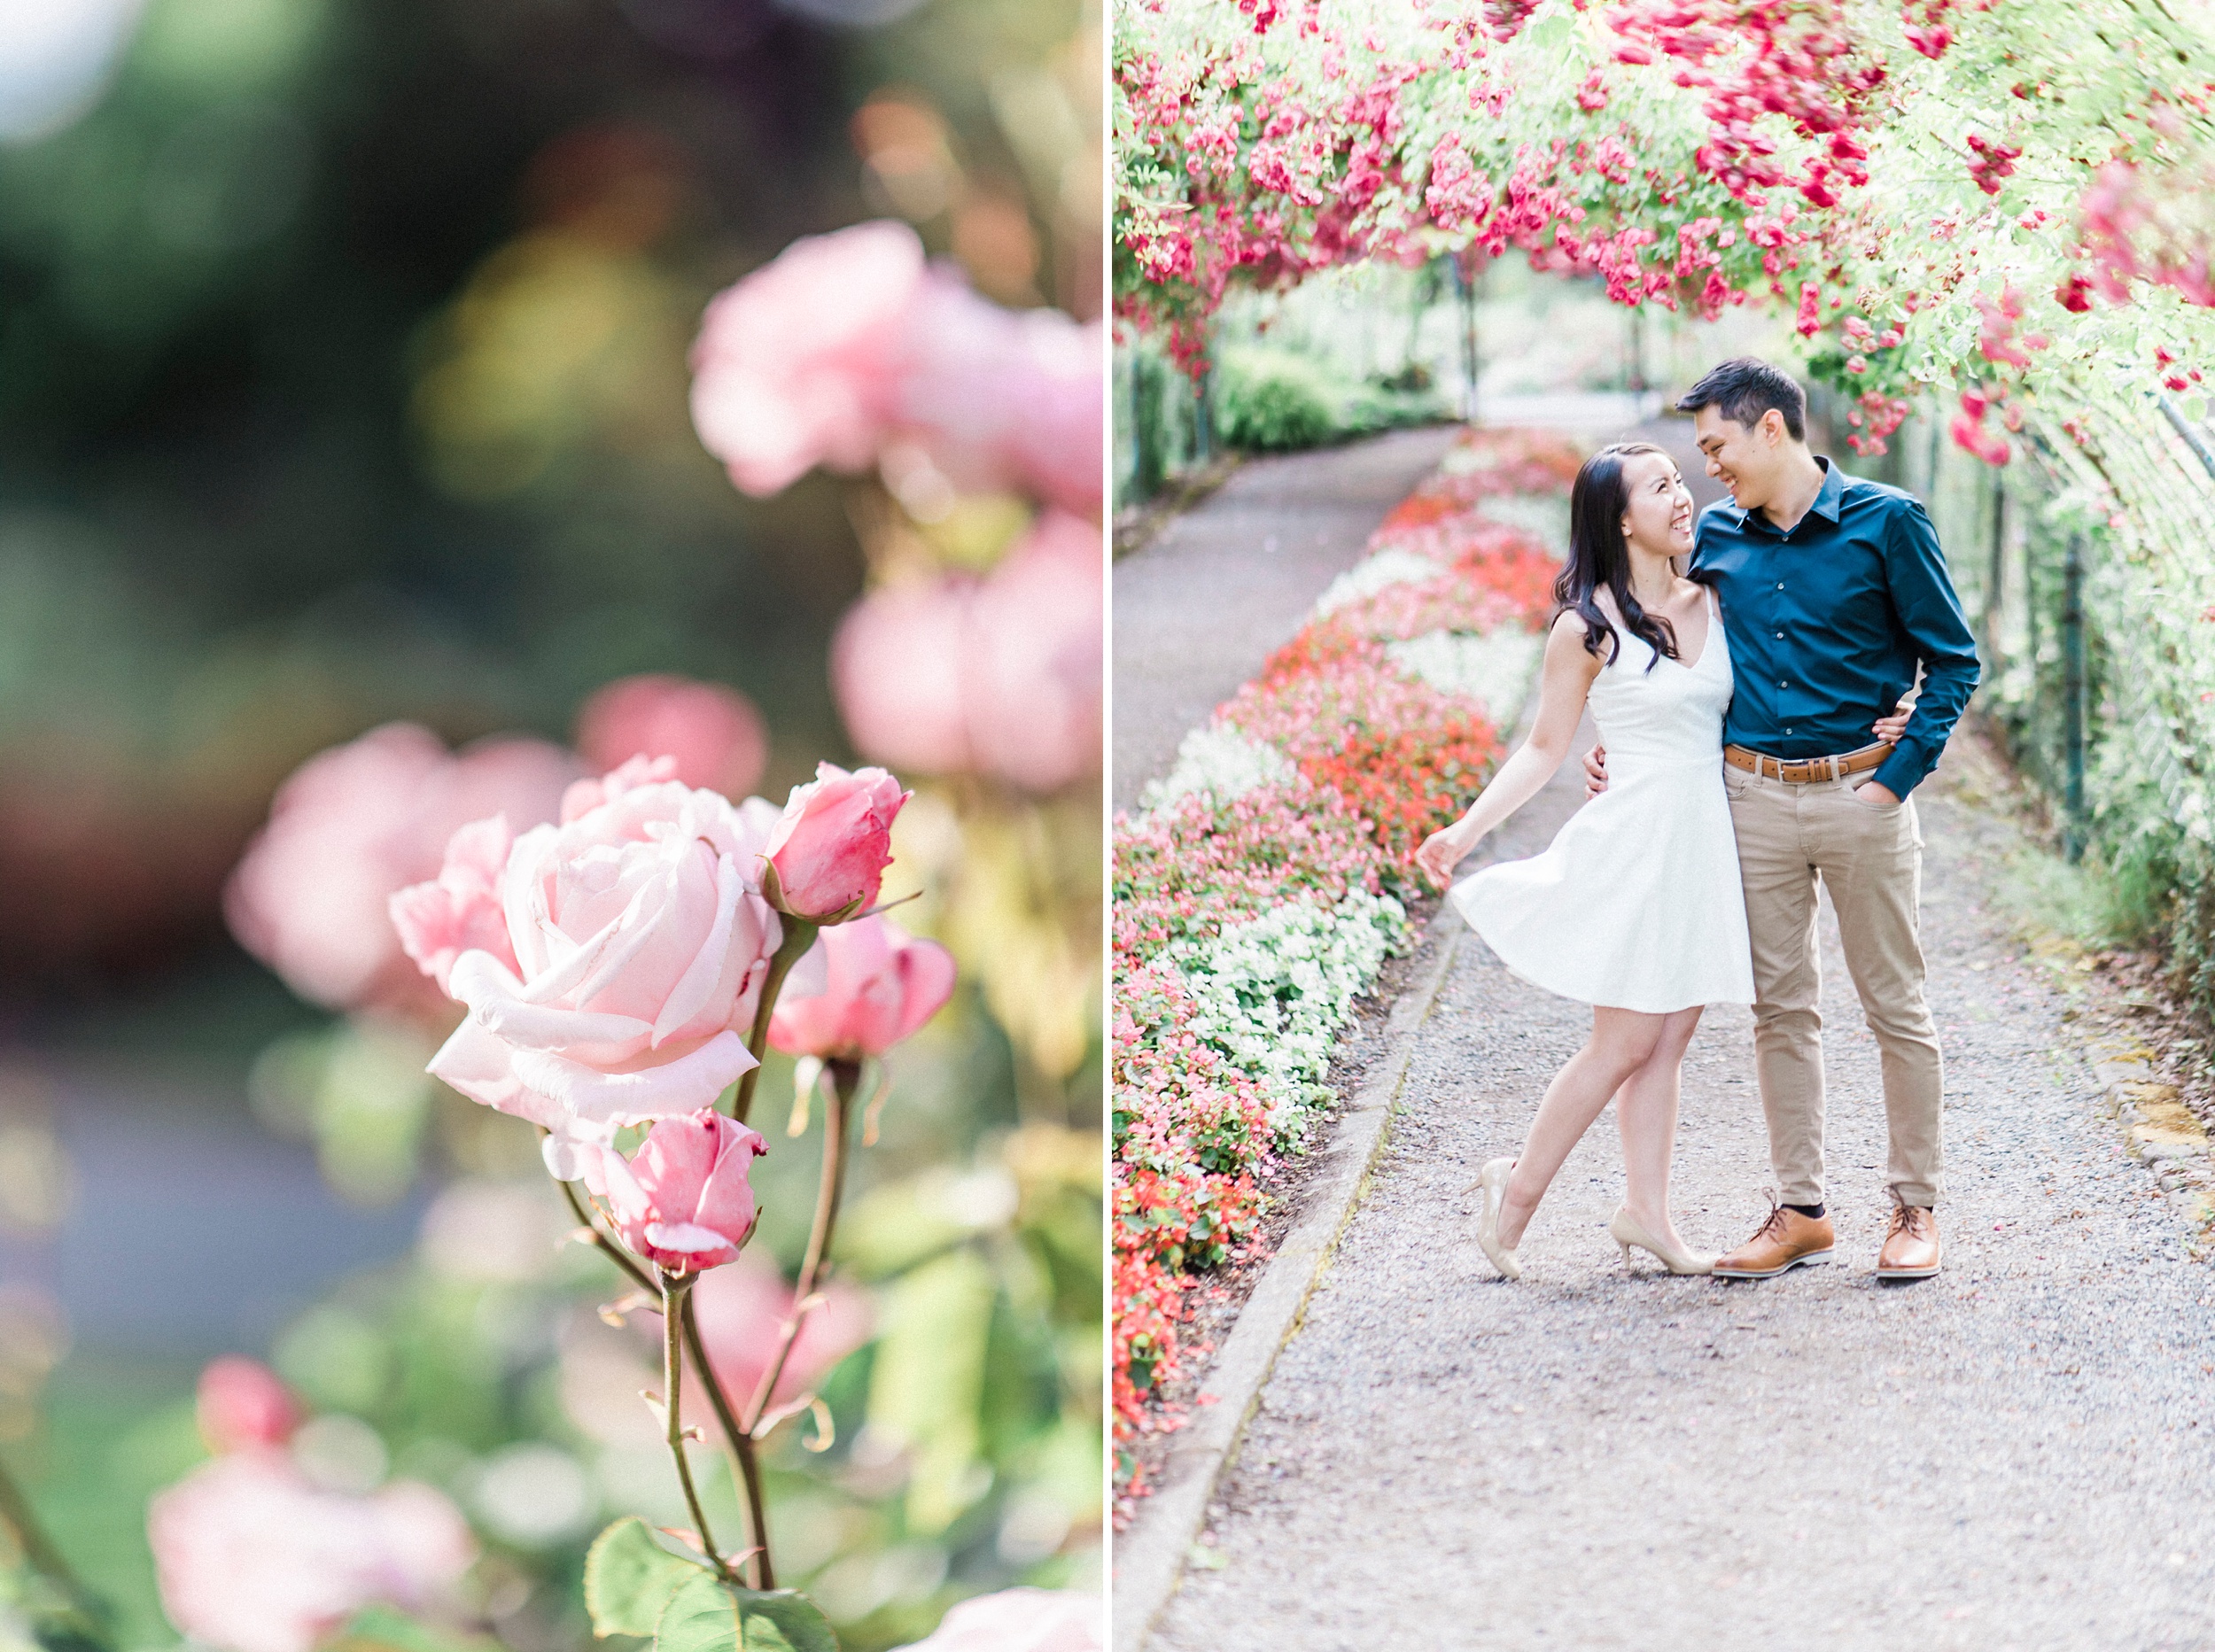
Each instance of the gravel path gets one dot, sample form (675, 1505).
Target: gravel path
(1199, 609)
(2017, 1453)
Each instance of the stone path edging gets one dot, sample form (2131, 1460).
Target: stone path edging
(1149, 1558)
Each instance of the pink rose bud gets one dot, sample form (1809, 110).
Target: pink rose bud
(881, 984)
(684, 1202)
(460, 910)
(713, 734)
(1019, 1620)
(241, 1403)
(829, 852)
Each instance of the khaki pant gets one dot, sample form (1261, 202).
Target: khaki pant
(1870, 859)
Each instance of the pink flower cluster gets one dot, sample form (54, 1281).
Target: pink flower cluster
(1382, 759)
(2129, 235)
(847, 345)
(612, 963)
(355, 824)
(1000, 676)
(253, 1555)
(361, 821)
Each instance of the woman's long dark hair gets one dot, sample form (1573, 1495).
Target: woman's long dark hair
(1597, 557)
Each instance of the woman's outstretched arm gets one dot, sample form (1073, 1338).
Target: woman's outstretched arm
(1567, 678)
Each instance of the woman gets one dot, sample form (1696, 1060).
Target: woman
(1636, 908)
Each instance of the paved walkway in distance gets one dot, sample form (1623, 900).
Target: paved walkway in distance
(1200, 609)
(2018, 1453)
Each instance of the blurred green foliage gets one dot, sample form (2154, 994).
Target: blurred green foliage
(1275, 400)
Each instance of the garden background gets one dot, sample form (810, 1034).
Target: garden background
(1980, 230)
(343, 383)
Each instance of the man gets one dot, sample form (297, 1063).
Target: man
(1834, 593)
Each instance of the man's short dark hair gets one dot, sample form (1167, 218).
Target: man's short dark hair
(1744, 389)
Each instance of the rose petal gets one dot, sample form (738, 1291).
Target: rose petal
(690, 1082)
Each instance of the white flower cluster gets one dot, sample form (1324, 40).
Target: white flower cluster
(1493, 670)
(1544, 516)
(1393, 566)
(1222, 762)
(1273, 993)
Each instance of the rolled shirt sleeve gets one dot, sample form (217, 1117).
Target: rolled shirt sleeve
(1930, 613)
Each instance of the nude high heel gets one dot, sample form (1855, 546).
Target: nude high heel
(1493, 1179)
(1626, 1230)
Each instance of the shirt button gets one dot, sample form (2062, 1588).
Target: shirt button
(1780, 636)
(1780, 584)
(1783, 684)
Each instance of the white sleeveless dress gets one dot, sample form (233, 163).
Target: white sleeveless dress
(1637, 905)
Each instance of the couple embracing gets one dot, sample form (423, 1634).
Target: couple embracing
(1747, 678)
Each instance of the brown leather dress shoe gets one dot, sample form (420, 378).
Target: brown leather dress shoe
(1787, 1239)
(1911, 1245)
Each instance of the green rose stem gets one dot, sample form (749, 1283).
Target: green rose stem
(799, 934)
(846, 1075)
(741, 1446)
(762, 1574)
(675, 1288)
(31, 1541)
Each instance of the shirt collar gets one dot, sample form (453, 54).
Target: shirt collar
(1829, 499)
(1828, 496)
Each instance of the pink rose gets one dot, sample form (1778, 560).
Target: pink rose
(881, 985)
(252, 1558)
(240, 1403)
(830, 847)
(641, 941)
(1000, 676)
(741, 1311)
(358, 822)
(844, 347)
(713, 733)
(794, 366)
(683, 1202)
(1019, 1620)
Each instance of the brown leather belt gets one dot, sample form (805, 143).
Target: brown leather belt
(1801, 770)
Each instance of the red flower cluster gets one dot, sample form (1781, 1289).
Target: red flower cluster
(1989, 161)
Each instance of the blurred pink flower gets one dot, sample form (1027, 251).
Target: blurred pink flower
(741, 1310)
(1018, 1620)
(241, 1403)
(252, 1558)
(1000, 676)
(830, 847)
(1004, 399)
(714, 732)
(845, 343)
(355, 824)
(642, 939)
(682, 1202)
(881, 984)
(794, 365)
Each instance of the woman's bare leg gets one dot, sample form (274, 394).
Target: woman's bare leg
(1645, 1110)
(1621, 1042)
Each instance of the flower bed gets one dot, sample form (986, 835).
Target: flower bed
(1261, 889)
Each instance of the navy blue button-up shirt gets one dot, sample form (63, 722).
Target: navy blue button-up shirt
(1827, 624)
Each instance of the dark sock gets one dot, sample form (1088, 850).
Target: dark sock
(1814, 1213)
